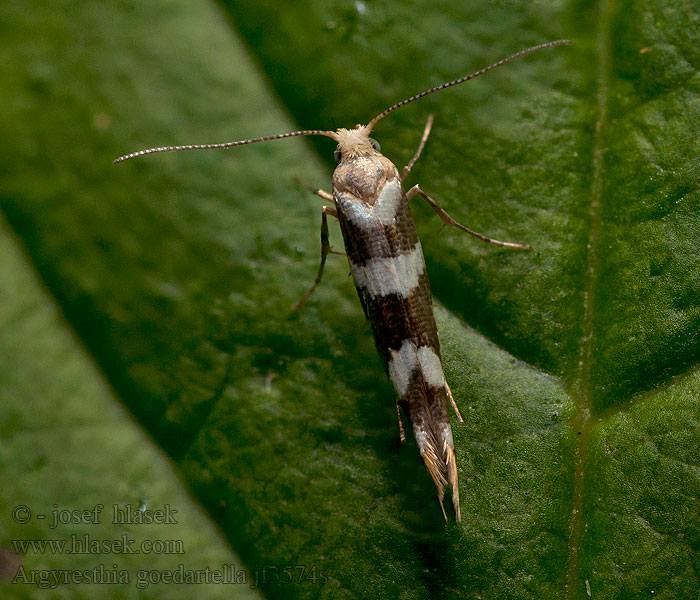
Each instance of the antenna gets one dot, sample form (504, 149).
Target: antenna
(278, 136)
(500, 63)
(333, 134)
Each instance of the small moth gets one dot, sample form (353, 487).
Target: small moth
(386, 261)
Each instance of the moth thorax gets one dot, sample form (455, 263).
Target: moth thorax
(354, 142)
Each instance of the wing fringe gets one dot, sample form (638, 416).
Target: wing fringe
(437, 451)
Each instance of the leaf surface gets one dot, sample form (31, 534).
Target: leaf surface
(573, 365)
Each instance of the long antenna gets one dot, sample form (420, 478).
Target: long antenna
(278, 136)
(333, 134)
(501, 62)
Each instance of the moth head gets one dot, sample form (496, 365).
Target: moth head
(354, 142)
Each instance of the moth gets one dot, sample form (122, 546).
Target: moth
(387, 265)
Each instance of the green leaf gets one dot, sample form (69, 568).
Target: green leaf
(73, 462)
(573, 364)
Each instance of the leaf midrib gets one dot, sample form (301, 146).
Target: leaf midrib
(582, 423)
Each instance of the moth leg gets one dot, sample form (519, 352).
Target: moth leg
(426, 132)
(326, 209)
(402, 434)
(454, 404)
(325, 251)
(319, 192)
(448, 220)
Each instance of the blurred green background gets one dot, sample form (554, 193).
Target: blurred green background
(150, 357)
